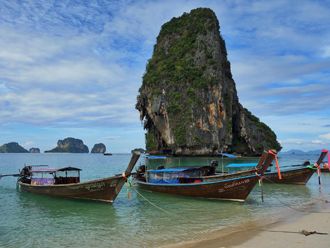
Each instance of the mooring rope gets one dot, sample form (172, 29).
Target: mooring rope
(304, 232)
(296, 209)
(147, 200)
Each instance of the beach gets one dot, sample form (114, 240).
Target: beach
(303, 227)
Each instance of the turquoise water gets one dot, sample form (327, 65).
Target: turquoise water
(142, 219)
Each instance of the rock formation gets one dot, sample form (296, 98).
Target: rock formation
(34, 150)
(70, 145)
(12, 147)
(98, 148)
(188, 99)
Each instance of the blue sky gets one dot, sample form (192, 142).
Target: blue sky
(73, 68)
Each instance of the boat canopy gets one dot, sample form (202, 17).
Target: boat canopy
(227, 155)
(241, 165)
(69, 168)
(155, 157)
(53, 170)
(173, 170)
(43, 170)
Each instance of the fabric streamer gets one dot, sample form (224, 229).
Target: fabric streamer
(318, 167)
(328, 160)
(277, 164)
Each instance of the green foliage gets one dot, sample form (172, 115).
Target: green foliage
(12, 147)
(269, 137)
(173, 67)
(180, 135)
(151, 141)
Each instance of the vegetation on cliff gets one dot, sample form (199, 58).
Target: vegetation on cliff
(188, 98)
(99, 148)
(70, 145)
(12, 147)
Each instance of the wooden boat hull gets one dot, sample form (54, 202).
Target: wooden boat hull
(234, 189)
(292, 176)
(105, 190)
(325, 170)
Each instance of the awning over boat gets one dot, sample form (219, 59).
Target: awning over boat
(227, 155)
(155, 157)
(173, 170)
(52, 170)
(43, 170)
(241, 165)
(69, 168)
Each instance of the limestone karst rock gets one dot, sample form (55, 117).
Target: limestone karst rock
(34, 150)
(12, 147)
(188, 99)
(99, 148)
(70, 145)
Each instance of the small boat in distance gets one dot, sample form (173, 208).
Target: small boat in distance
(107, 154)
(190, 181)
(65, 182)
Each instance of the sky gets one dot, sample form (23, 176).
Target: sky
(73, 68)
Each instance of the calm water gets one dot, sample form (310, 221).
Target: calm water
(29, 220)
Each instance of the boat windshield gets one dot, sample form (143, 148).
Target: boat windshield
(49, 176)
(173, 175)
(42, 178)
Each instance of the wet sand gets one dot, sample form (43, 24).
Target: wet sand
(285, 231)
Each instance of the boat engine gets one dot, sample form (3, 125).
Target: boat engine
(214, 163)
(26, 171)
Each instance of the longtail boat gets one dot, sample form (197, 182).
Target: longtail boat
(65, 182)
(191, 181)
(300, 175)
(296, 174)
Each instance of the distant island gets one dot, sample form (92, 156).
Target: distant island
(70, 145)
(67, 145)
(99, 148)
(300, 152)
(12, 147)
(34, 150)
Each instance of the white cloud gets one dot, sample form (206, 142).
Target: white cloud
(293, 142)
(82, 64)
(325, 136)
(326, 51)
(318, 142)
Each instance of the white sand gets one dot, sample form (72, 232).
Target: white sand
(272, 233)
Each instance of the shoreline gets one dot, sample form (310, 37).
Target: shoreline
(285, 230)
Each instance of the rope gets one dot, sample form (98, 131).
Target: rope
(296, 209)
(304, 232)
(151, 203)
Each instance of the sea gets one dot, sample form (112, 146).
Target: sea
(137, 218)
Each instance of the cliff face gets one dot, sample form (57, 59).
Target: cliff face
(70, 145)
(188, 99)
(12, 147)
(99, 148)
